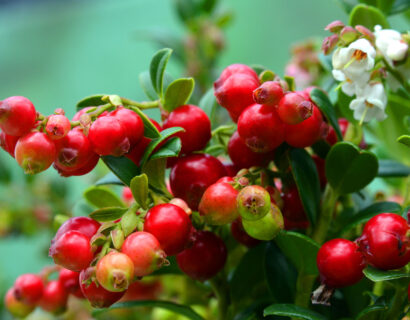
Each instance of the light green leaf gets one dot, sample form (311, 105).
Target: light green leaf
(108, 214)
(157, 68)
(139, 189)
(178, 93)
(102, 197)
(367, 16)
(90, 101)
(382, 275)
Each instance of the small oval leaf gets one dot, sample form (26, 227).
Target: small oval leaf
(108, 214)
(139, 189)
(171, 148)
(102, 197)
(178, 93)
(122, 167)
(291, 310)
(381, 275)
(129, 221)
(157, 68)
(367, 16)
(91, 101)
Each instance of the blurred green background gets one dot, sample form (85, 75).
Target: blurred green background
(57, 52)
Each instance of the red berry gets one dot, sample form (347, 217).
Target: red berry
(236, 93)
(115, 271)
(17, 308)
(8, 142)
(269, 93)
(57, 126)
(293, 108)
(69, 280)
(240, 235)
(170, 225)
(54, 298)
(72, 251)
(243, 157)
(320, 167)
(182, 204)
(235, 68)
(231, 169)
(331, 137)
(143, 290)
(17, 116)
(108, 137)
(97, 295)
(218, 204)
(196, 124)
(340, 263)
(84, 225)
(28, 288)
(131, 122)
(192, 174)
(84, 169)
(293, 212)
(35, 152)
(205, 258)
(385, 241)
(145, 252)
(307, 132)
(260, 128)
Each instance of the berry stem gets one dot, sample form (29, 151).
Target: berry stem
(221, 291)
(396, 307)
(141, 105)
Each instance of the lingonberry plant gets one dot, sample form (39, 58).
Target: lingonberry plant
(269, 214)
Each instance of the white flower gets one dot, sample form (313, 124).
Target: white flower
(348, 86)
(369, 103)
(390, 44)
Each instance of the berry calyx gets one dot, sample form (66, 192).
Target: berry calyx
(293, 108)
(131, 122)
(15, 307)
(268, 93)
(253, 202)
(145, 252)
(266, 228)
(115, 271)
(205, 258)
(17, 116)
(54, 297)
(171, 226)
(28, 288)
(35, 152)
(340, 263)
(57, 126)
(240, 235)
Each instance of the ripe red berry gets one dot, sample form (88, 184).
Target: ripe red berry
(131, 122)
(72, 251)
(143, 290)
(240, 235)
(145, 252)
(54, 298)
(108, 137)
(84, 225)
(171, 226)
(331, 137)
(196, 124)
(205, 258)
(236, 93)
(84, 169)
(293, 108)
(57, 126)
(218, 204)
(35, 152)
(192, 174)
(269, 93)
(69, 280)
(17, 116)
(96, 294)
(293, 212)
(8, 142)
(340, 263)
(243, 157)
(260, 128)
(253, 202)
(28, 288)
(307, 132)
(17, 308)
(235, 68)
(115, 271)
(385, 241)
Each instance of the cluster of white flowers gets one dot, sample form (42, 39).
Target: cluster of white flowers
(354, 64)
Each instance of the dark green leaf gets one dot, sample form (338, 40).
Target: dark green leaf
(348, 169)
(102, 197)
(122, 167)
(342, 104)
(368, 313)
(321, 148)
(109, 178)
(322, 101)
(404, 139)
(399, 6)
(171, 306)
(369, 212)
(129, 221)
(139, 189)
(391, 168)
(157, 68)
(146, 85)
(91, 101)
(150, 131)
(253, 312)
(108, 214)
(367, 16)
(155, 170)
(307, 181)
(381, 275)
(165, 134)
(171, 148)
(5, 173)
(178, 93)
(293, 311)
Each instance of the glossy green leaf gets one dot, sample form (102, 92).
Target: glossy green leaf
(291, 83)
(254, 311)
(146, 85)
(108, 214)
(90, 101)
(102, 197)
(165, 134)
(129, 221)
(139, 189)
(382, 275)
(157, 69)
(369, 212)
(367, 16)
(307, 181)
(404, 139)
(170, 148)
(324, 104)
(391, 168)
(150, 131)
(370, 312)
(300, 250)
(122, 167)
(155, 171)
(291, 310)
(178, 93)
(348, 169)
(109, 178)
(186, 311)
